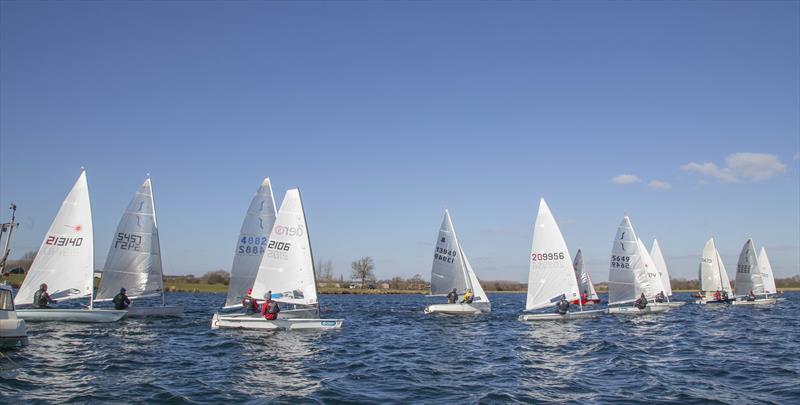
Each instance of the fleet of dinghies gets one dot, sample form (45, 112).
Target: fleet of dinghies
(274, 264)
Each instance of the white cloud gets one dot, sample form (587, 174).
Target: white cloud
(659, 185)
(624, 179)
(740, 166)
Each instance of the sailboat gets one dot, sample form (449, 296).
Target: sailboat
(631, 273)
(134, 258)
(251, 244)
(13, 331)
(713, 276)
(585, 285)
(748, 278)
(451, 269)
(767, 277)
(551, 275)
(661, 266)
(65, 262)
(287, 271)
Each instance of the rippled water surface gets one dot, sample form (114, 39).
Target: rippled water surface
(389, 351)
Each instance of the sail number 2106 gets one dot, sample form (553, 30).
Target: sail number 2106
(540, 257)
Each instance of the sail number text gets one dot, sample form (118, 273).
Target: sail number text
(547, 256)
(620, 262)
(127, 241)
(251, 245)
(445, 255)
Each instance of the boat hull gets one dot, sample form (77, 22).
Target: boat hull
(256, 321)
(649, 309)
(671, 304)
(13, 333)
(459, 309)
(70, 315)
(585, 302)
(760, 301)
(558, 317)
(712, 302)
(155, 312)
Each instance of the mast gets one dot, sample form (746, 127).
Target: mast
(155, 225)
(10, 227)
(310, 250)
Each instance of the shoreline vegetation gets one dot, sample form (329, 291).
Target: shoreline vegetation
(180, 284)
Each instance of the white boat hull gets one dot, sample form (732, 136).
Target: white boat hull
(165, 311)
(671, 304)
(649, 309)
(70, 315)
(558, 317)
(257, 321)
(459, 309)
(13, 333)
(759, 301)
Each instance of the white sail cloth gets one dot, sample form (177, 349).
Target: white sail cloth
(287, 267)
(661, 265)
(252, 243)
(65, 261)
(628, 275)
(134, 258)
(582, 276)
(767, 277)
(713, 276)
(551, 274)
(448, 270)
(748, 272)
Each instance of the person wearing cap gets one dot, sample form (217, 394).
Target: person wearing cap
(121, 301)
(452, 297)
(41, 298)
(270, 308)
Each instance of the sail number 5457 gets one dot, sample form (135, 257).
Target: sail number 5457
(547, 256)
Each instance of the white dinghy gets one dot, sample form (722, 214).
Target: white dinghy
(551, 275)
(585, 285)
(251, 244)
(631, 273)
(661, 265)
(451, 269)
(767, 277)
(65, 262)
(713, 276)
(287, 269)
(134, 259)
(748, 278)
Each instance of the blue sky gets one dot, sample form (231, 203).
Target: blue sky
(386, 113)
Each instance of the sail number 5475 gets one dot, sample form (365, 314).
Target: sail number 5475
(547, 256)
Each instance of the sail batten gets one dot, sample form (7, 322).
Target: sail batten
(65, 261)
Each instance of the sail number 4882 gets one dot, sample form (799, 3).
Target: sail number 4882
(547, 256)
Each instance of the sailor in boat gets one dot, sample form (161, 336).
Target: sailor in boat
(249, 303)
(751, 296)
(468, 297)
(641, 302)
(121, 301)
(562, 307)
(270, 309)
(725, 296)
(660, 297)
(452, 297)
(584, 297)
(41, 298)
(717, 296)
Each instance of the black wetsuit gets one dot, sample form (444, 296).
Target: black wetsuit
(562, 307)
(41, 299)
(121, 301)
(452, 297)
(641, 303)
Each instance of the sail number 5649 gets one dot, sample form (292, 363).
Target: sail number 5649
(547, 256)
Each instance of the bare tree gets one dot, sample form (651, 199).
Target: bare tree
(362, 269)
(324, 270)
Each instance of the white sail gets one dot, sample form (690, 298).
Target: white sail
(550, 274)
(767, 277)
(748, 273)
(65, 261)
(725, 281)
(252, 243)
(661, 265)
(654, 282)
(627, 278)
(582, 276)
(477, 289)
(713, 276)
(448, 270)
(287, 267)
(134, 258)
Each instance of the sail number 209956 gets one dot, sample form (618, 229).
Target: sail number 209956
(540, 257)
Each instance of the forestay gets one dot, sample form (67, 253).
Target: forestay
(252, 243)
(748, 272)
(287, 267)
(627, 278)
(766, 272)
(448, 270)
(661, 265)
(582, 276)
(65, 260)
(134, 258)
(550, 275)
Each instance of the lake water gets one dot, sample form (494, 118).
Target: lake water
(389, 351)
